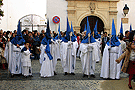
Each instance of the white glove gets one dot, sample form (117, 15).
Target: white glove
(109, 48)
(89, 46)
(89, 35)
(59, 40)
(52, 41)
(70, 42)
(70, 33)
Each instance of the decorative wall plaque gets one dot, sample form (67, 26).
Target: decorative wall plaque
(92, 7)
(124, 20)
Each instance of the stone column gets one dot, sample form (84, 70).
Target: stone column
(113, 14)
(77, 29)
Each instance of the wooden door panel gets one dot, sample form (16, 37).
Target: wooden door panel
(92, 22)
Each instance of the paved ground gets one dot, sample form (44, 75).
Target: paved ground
(61, 82)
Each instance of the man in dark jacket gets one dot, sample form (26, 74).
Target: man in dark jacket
(105, 39)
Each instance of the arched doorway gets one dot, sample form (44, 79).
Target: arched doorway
(33, 22)
(92, 22)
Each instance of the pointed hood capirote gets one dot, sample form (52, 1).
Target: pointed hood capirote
(67, 37)
(114, 39)
(96, 35)
(85, 28)
(73, 38)
(47, 37)
(86, 40)
(18, 39)
(130, 28)
(121, 29)
(59, 35)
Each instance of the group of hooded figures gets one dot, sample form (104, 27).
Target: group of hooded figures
(65, 49)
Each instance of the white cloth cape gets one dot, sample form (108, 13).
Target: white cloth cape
(42, 48)
(47, 67)
(13, 56)
(98, 41)
(112, 55)
(68, 56)
(7, 53)
(26, 63)
(57, 48)
(53, 50)
(88, 57)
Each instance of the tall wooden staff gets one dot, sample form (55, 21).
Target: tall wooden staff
(109, 52)
(59, 44)
(70, 53)
(9, 50)
(89, 55)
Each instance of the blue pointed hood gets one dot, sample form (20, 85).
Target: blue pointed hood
(85, 28)
(92, 39)
(113, 28)
(47, 50)
(19, 29)
(59, 35)
(114, 39)
(67, 37)
(130, 28)
(88, 28)
(45, 40)
(72, 28)
(47, 37)
(68, 28)
(96, 35)
(121, 29)
(72, 31)
(18, 39)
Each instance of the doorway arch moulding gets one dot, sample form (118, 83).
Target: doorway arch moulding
(105, 10)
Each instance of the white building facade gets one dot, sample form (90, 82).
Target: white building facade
(16, 9)
(130, 17)
(70, 8)
(57, 8)
(75, 10)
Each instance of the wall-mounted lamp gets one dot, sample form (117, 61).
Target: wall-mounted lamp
(125, 10)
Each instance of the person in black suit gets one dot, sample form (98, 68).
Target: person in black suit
(105, 39)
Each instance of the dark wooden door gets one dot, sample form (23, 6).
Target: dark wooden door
(92, 22)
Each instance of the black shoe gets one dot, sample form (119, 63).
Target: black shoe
(55, 73)
(130, 87)
(72, 73)
(84, 75)
(30, 75)
(93, 76)
(65, 73)
(18, 75)
(29, 71)
(12, 75)
(25, 76)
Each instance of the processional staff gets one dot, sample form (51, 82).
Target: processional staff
(89, 55)
(70, 52)
(109, 52)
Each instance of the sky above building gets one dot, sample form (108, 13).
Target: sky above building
(16, 9)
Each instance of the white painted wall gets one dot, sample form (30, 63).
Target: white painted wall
(57, 8)
(130, 15)
(15, 9)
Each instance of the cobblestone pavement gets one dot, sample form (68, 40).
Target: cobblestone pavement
(57, 82)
